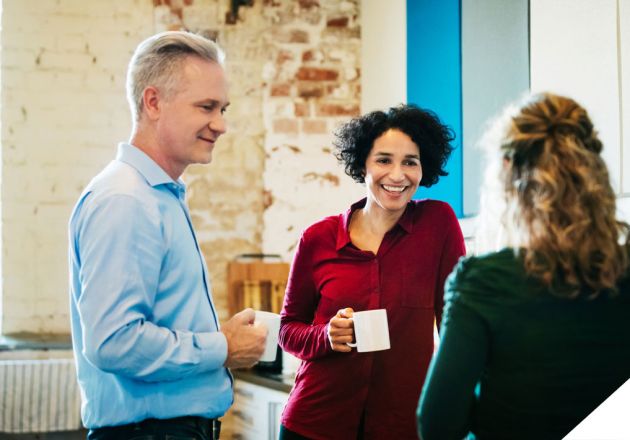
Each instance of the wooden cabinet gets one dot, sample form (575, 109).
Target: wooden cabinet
(256, 412)
(256, 284)
(258, 400)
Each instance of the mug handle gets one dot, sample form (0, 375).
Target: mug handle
(352, 344)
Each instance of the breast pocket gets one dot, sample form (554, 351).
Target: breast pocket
(418, 287)
(340, 292)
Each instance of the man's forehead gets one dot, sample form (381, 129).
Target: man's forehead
(204, 78)
(196, 66)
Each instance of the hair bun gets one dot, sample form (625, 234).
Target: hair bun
(565, 127)
(570, 119)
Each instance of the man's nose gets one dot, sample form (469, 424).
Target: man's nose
(218, 124)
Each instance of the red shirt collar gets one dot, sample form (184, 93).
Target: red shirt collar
(343, 233)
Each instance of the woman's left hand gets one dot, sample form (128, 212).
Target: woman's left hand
(341, 330)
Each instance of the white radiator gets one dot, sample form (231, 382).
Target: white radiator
(39, 396)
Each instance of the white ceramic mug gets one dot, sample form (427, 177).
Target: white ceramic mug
(371, 331)
(272, 322)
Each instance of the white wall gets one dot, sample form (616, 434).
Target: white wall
(495, 63)
(574, 52)
(581, 48)
(384, 54)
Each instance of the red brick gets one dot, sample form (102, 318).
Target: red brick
(328, 109)
(298, 36)
(281, 89)
(308, 56)
(268, 199)
(337, 22)
(322, 177)
(314, 126)
(310, 90)
(188, 2)
(285, 126)
(284, 55)
(315, 74)
(301, 109)
(306, 4)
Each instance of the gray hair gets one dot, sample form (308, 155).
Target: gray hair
(156, 60)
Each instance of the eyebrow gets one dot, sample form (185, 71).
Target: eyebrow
(214, 102)
(407, 156)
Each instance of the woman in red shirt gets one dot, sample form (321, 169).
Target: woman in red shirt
(385, 252)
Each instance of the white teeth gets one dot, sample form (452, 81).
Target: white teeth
(394, 188)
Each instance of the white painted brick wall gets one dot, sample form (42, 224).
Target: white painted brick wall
(63, 111)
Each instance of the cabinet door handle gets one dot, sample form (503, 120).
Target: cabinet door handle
(244, 393)
(244, 417)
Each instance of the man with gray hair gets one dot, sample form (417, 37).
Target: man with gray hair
(151, 359)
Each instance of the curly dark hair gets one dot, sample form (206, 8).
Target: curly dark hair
(355, 139)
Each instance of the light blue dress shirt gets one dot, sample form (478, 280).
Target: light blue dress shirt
(144, 328)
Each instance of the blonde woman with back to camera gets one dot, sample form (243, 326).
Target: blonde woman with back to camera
(535, 333)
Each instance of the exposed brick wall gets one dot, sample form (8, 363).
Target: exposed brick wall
(315, 80)
(294, 73)
(63, 111)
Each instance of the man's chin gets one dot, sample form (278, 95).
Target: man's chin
(204, 159)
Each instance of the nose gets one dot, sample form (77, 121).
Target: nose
(396, 173)
(218, 124)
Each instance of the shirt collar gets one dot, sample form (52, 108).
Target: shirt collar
(146, 166)
(343, 233)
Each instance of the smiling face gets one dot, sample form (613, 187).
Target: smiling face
(392, 171)
(191, 115)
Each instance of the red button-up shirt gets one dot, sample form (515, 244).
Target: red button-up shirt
(333, 390)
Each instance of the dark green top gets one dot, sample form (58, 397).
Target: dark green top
(514, 361)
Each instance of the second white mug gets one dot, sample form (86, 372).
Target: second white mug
(371, 330)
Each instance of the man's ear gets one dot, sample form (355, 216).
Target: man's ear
(151, 102)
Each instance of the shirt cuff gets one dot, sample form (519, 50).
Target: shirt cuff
(213, 348)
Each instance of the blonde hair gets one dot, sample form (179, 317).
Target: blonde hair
(557, 206)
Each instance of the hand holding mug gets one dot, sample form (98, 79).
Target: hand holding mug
(245, 342)
(341, 330)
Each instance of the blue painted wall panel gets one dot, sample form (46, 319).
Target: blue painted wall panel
(434, 81)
